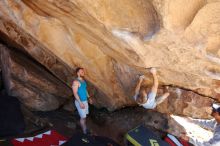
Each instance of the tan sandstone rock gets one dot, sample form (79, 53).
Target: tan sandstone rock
(178, 14)
(134, 16)
(116, 41)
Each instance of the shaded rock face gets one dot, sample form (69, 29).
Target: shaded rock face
(33, 85)
(183, 102)
(1, 82)
(114, 41)
(115, 125)
(17, 38)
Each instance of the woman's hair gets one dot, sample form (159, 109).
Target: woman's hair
(141, 96)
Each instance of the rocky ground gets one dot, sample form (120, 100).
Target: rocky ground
(116, 124)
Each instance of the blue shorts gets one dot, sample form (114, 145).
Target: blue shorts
(82, 112)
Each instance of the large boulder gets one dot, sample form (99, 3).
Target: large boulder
(116, 41)
(33, 85)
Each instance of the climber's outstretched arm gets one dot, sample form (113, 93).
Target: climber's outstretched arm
(138, 86)
(155, 82)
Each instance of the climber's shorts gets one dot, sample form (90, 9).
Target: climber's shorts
(82, 112)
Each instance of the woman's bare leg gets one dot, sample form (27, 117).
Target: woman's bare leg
(161, 99)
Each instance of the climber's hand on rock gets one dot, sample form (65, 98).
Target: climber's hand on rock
(141, 78)
(153, 70)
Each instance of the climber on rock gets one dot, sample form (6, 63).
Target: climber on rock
(148, 100)
(81, 95)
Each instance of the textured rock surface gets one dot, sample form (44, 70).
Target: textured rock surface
(183, 102)
(178, 14)
(115, 125)
(32, 84)
(17, 38)
(130, 15)
(115, 41)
